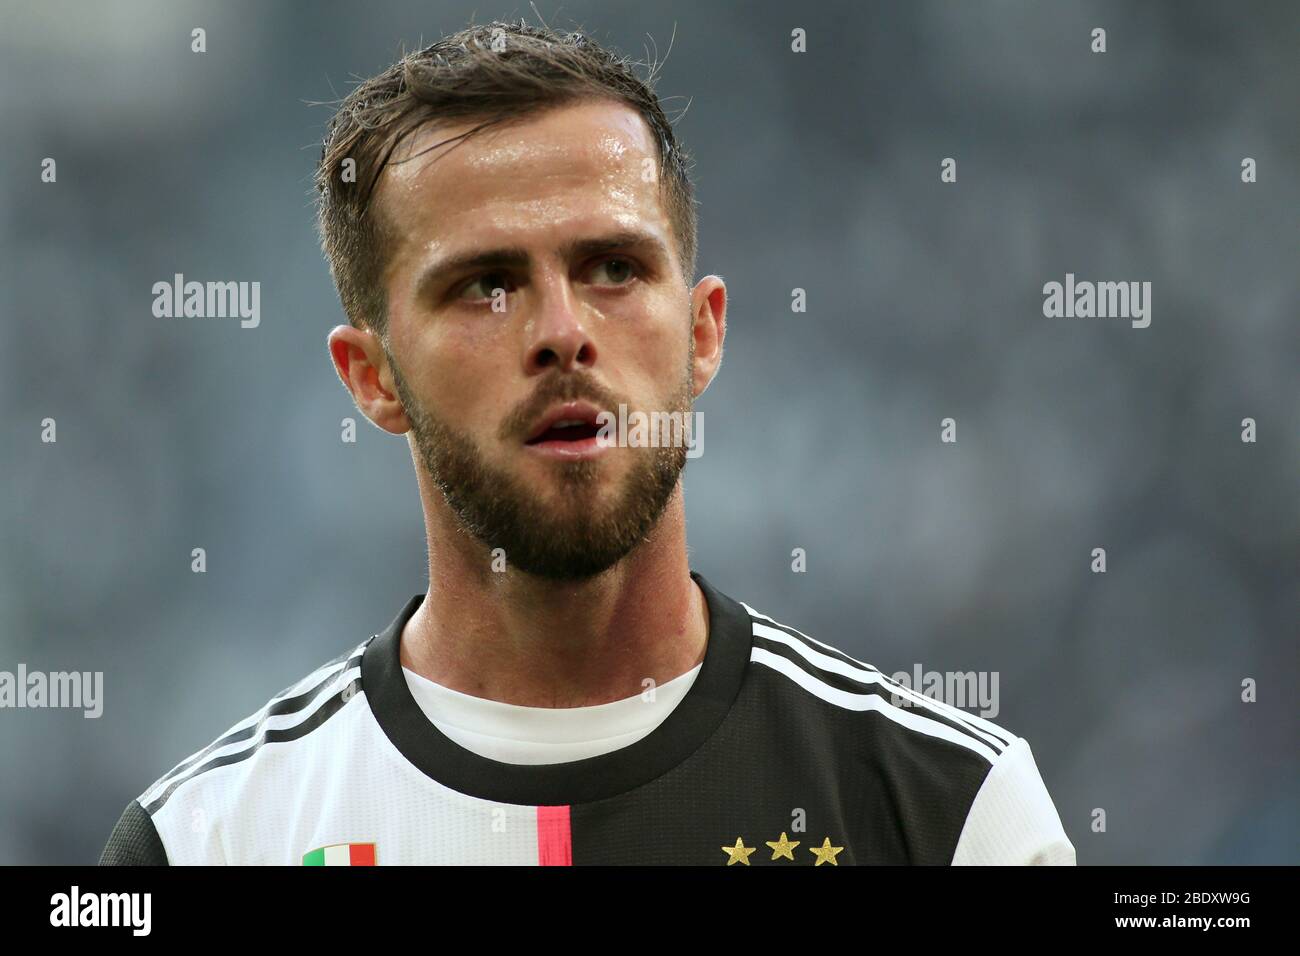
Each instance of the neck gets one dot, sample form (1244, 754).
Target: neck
(512, 637)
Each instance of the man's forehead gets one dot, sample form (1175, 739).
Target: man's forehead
(593, 141)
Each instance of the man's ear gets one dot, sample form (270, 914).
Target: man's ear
(708, 328)
(362, 365)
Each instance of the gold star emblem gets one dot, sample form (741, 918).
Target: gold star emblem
(782, 847)
(825, 853)
(738, 853)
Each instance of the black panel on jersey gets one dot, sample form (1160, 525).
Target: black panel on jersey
(784, 758)
(682, 732)
(134, 841)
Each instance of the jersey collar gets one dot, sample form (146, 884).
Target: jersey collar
(682, 732)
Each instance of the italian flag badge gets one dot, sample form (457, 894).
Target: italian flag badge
(341, 854)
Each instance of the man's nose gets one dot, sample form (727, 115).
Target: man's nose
(558, 338)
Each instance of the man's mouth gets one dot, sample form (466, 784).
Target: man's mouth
(569, 429)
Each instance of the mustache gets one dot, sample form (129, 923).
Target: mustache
(574, 387)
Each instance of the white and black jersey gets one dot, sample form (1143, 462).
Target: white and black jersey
(782, 751)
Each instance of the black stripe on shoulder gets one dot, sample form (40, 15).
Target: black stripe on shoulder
(821, 648)
(281, 735)
(1003, 736)
(848, 685)
(134, 840)
(352, 656)
(1000, 734)
(279, 706)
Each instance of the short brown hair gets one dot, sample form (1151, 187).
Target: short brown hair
(494, 72)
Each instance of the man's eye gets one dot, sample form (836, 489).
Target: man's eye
(485, 285)
(619, 271)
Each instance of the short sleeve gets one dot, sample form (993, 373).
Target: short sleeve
(1012, 821)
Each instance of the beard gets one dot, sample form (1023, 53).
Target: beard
(580, 536)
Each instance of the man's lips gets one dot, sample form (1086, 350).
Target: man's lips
(570, 422)
(567, 431)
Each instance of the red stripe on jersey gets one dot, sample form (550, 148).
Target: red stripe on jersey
(554, 838)
(361, 854)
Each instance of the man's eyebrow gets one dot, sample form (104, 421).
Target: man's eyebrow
(513, 257)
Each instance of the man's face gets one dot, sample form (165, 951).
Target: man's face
(596, 313)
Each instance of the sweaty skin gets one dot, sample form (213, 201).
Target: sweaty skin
(540, 185)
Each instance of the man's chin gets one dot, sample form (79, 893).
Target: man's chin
(561, 521)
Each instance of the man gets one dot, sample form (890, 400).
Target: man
(510, 225)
